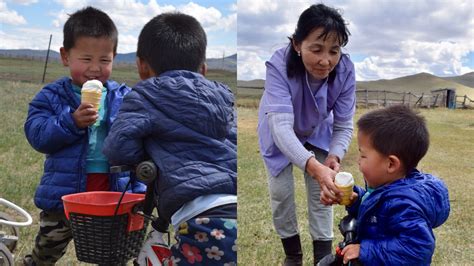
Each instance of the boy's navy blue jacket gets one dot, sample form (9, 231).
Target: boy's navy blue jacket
(395, 222)
(187, 125)
(50, 129)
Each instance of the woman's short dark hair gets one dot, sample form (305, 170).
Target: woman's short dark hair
(316, 16)
(172, 41)
(397, 130)
(89, 22)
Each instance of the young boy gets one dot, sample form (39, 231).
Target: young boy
(71, 133)
(187, 125)
(401, 206)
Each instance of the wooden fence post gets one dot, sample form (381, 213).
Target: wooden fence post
(436, 99)
(366, 98)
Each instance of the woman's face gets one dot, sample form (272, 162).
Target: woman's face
(319, 55)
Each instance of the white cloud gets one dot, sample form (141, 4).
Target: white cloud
(256, 7)
(250, 65)
(130, 16)
(388, 38)
(22, 39)
(25, 2)
(10, 17)
(217, 51)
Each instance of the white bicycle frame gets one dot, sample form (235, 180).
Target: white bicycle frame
(25, 214)
(8, 240)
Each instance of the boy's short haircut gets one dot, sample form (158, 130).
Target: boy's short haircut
(172, 41)
(89, 22)
(397, 130)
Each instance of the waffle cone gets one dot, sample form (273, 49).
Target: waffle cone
(347, 190)
(92, 98)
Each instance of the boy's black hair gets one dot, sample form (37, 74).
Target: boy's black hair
(172, 41)
(397, 130)
(314, 17)
(89, 22)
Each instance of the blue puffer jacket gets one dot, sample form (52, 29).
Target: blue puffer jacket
(187, 125)
(395, 222)
(50, 129)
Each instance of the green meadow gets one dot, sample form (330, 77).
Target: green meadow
(450, 157)
(20, 165)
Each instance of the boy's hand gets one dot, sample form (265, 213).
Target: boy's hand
(85, 115)
(350, 252)
(353, 198)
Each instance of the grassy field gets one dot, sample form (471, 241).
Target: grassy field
(450, 156)
(20, 165)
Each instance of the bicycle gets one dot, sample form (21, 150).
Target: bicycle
(109, 228)
(9, 232)
(348, 228)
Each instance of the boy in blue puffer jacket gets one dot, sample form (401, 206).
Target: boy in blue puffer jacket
(187, 125)
(71, 133)
(400, 207)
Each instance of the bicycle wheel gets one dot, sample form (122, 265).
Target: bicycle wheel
(6, 257)
(8, 233)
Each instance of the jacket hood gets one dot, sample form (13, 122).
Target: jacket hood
(426, 191)
(192, 100)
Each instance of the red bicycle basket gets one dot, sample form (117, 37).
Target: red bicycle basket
(101, 237)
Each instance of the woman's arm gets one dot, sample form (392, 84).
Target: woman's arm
(341, 138)
(281, 128)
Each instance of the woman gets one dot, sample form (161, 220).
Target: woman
(305, 119)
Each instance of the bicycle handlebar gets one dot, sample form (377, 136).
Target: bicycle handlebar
(19, 210)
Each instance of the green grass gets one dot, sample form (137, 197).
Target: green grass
(21, 166)
(449, 157)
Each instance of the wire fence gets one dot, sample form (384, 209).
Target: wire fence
(436, 98)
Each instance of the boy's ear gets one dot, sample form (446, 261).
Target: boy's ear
(144, 69)
(394, 164)
(64, 56)
(203, 69)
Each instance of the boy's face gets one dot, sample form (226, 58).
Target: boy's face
(90, 58)
(373, 165)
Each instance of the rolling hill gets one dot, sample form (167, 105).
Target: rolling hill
(417, 84)
(228, 63)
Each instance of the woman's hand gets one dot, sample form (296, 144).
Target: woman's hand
(333, 162)
(330, 194)
(350, 252)
(85, 115)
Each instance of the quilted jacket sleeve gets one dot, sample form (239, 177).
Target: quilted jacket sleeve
(124, 144)
(49, 126)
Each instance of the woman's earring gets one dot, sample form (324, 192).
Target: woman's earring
(299, 53)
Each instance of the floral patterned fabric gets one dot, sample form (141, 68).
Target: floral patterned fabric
(205, 241)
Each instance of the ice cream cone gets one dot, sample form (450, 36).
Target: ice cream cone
(91, 93)
(345, 182)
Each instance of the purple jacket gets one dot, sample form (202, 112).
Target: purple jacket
(314, 114)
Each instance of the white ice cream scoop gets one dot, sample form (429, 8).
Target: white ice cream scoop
(344, 179)
(92, 85)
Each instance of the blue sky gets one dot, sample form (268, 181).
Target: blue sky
(389, 38)
(28, 23)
